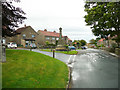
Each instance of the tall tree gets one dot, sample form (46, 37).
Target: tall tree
(11, 17)
(104, 18)
(83, 42)
(92, 41)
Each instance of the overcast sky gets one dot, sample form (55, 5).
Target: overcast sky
(52, 14)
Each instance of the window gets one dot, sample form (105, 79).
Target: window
(53, 38)
(24, 35)
(47, 38)
(57, 38)
(33, 36)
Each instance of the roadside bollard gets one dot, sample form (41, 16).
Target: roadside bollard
(30, 48)
(53, 53)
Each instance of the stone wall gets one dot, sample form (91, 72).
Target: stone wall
(108, 49)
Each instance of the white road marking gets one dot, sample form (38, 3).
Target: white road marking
(74, 58)
(114, 54)
(69, 58)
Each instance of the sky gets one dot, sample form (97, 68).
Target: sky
(53, 14)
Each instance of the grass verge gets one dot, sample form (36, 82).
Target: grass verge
(27, 69)
(65, 52)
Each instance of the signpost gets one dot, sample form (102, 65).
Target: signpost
(54, 53)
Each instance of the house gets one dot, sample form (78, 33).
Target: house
(26, 37)
(52, 37)
(101, 42)
(107, 43)
(90, 45)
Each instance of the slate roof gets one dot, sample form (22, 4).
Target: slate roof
(19, 30)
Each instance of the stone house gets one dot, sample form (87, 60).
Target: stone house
(26, 37)
(52, 37)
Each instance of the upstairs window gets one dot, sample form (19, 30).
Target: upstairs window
(47, 38)
(53, 38)
(33, 36)
(57, 38)
(24, 36)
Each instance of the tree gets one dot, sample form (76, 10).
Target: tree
(11, 17)
(104, 18)
(92, 41)
(83, 42)
(56, 43)
(47, 43)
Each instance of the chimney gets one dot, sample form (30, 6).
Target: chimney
(45, 30)
(54, 31)
(24, 25)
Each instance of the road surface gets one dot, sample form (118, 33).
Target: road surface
(94, 68)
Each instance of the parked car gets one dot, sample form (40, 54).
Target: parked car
(12, 45)
(71, 48)
(32, 45)
(83, 47)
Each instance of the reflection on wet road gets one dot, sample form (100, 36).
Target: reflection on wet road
(95, 69)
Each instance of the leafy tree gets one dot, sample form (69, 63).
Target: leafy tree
(97, 39)
(92, 41)
(47, 43)
(11, 17)
(83, 42)
(56, 43)
(104, 18)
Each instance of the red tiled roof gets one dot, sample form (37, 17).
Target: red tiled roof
(54, 34)
(75, 42)
(69, 39)
(101, 40)
(48, 33)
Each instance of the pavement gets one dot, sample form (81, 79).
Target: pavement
(60, 56)
(91, 68)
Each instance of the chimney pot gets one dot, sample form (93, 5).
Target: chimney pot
(25, 25)
(45, 30)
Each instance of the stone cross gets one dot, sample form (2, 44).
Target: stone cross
(60, 29)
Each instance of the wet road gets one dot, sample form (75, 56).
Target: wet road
(93, 68)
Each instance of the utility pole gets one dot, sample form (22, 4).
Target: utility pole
(0, 45)
(0, 32)
(2, 40)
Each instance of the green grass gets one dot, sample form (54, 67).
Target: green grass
(27, 69)
(65, 52)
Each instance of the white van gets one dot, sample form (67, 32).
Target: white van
(12, 45)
